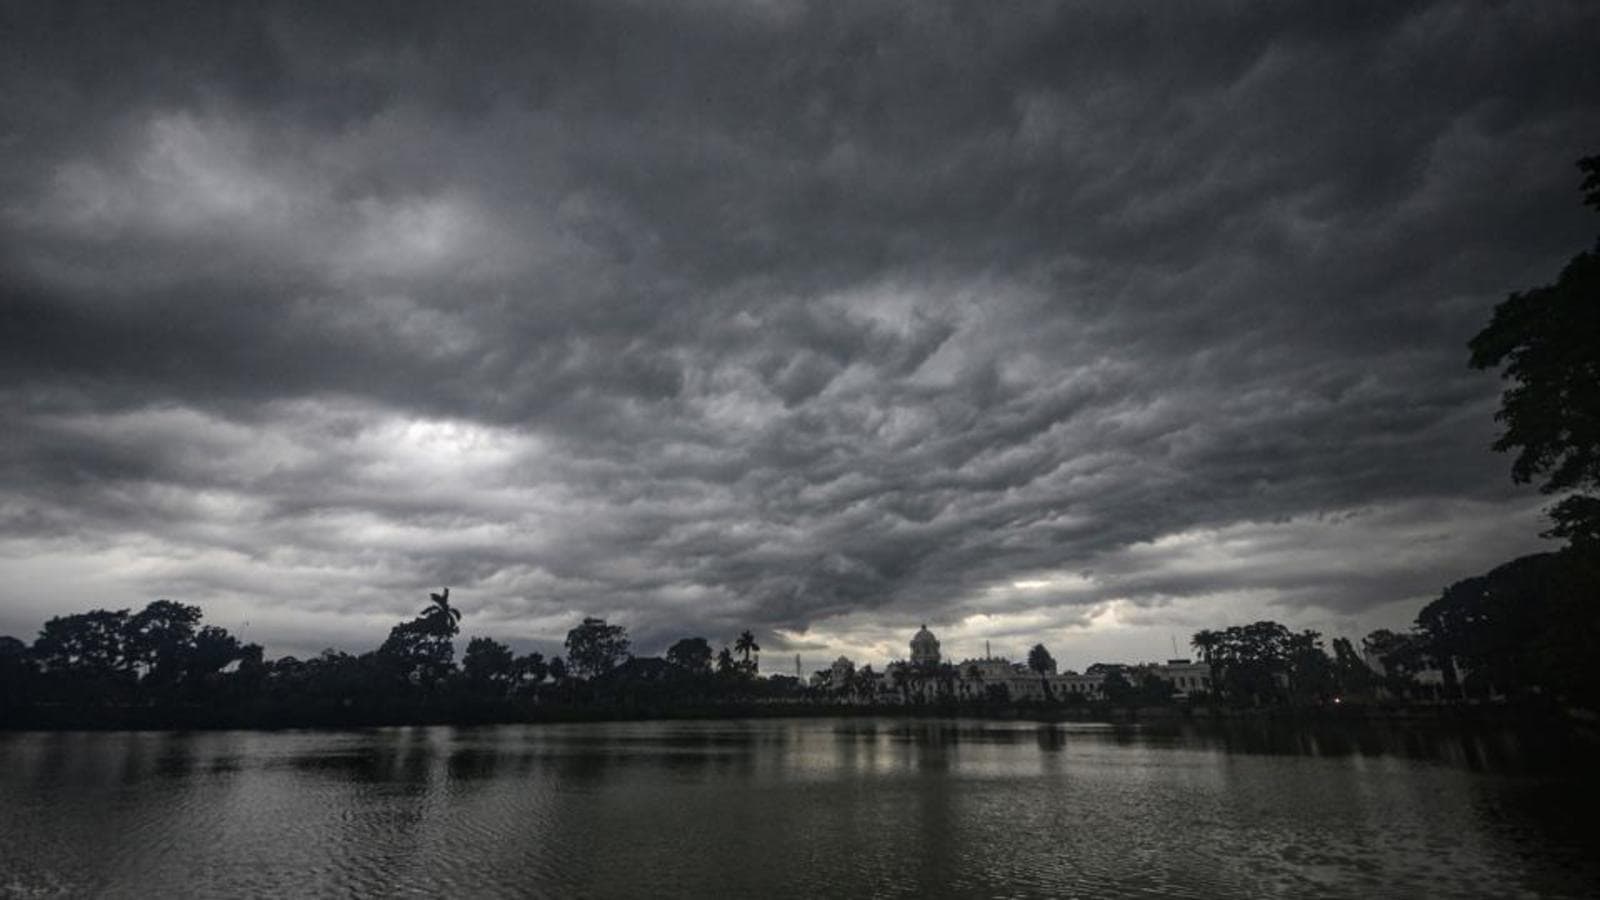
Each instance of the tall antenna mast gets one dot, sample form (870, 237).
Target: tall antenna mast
(797, 665)
(986, 650)
(1174, 644)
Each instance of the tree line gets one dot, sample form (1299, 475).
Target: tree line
(161, 665)
(1525, 629)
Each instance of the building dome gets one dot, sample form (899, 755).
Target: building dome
(924, 648)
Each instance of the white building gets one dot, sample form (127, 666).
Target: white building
(923, 680)
(1071, 684)
(981, 678)
(1186, 677)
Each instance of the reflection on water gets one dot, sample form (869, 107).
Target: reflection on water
(885, 807)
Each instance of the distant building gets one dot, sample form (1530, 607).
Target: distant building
(990, 668)
(1071, 684)
(923, 680)
(1186, 677)
(924, 649)
(982, 678)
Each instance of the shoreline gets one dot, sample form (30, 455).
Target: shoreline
(166, 718)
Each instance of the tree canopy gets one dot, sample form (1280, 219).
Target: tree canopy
(1531, 622)
(692, 655)
(595, 648)
(1040, 660)
(1546, 341)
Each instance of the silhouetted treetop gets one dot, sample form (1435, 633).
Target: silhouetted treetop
(1546, 340)
(488, 664)
(1040, 660)
(693, 655)
(440, 617)
(594, 648)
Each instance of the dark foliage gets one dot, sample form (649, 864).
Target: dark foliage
(1546, 341)
(1265, 663)
(595, 648)
(692, 655)
(1040, 660)
(1529, 625)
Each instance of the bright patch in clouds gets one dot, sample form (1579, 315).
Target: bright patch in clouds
(1105, 340)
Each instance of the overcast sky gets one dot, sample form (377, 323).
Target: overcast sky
(1034, 322)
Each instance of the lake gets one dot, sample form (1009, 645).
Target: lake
(796, 807)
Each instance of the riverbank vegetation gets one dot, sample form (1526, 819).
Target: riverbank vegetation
(161, 667)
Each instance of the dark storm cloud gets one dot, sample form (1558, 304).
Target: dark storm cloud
(770, 315)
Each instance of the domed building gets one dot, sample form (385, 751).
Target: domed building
(924, 649)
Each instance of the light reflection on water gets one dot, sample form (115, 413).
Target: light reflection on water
(818, 807)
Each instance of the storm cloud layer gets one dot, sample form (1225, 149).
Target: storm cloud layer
(821, 320)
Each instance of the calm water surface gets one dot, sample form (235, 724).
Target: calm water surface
(817, 807)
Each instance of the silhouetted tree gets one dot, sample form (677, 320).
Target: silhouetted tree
(420, 650)
(744, 646)
(692, 655)
(1548, 341)
(530, 670)
(595, 648)
(16, 671)
(489, 665)
(725, 662)
(1531, 623)
(1351, 672)
(160, 639)
(1116, 687)
(783, 685)
(439, 617)
(1153, 690)
(1040, 660)
(1207, 641)
(1250, 663)
(1401, 656)
(93, 644)
(417, 652)
(558, 668)
(1311, 672)
(213, 650)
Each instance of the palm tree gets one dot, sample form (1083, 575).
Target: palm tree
(440, 616)
(746, 645)
(1207, 641)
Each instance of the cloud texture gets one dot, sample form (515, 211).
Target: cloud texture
(817, 319)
